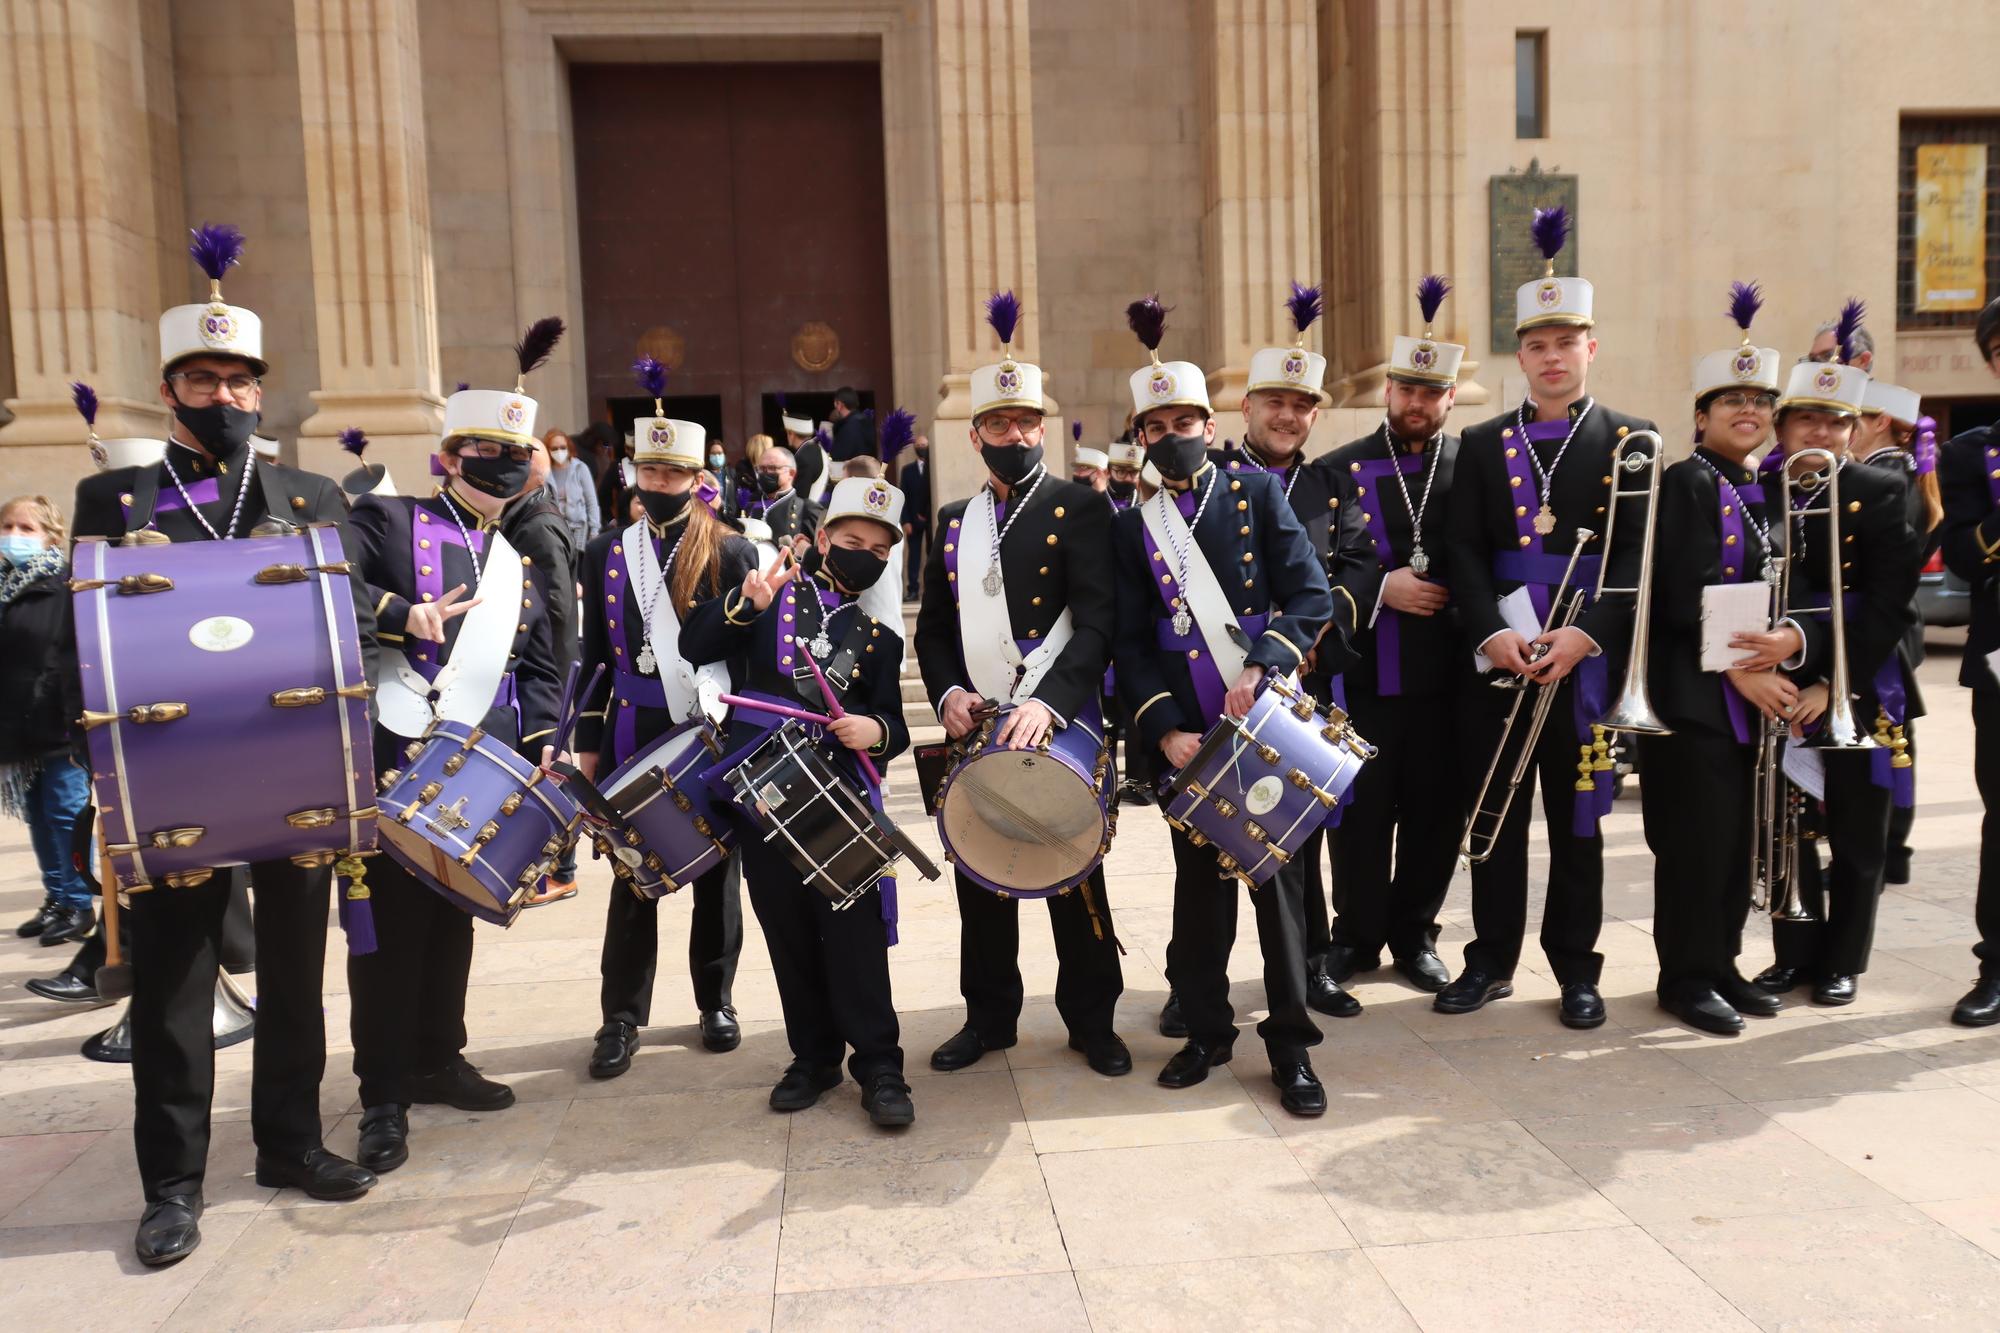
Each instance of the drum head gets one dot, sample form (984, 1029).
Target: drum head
(1022, 820)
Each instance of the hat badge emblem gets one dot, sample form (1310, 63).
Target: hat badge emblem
(661, 433)
(1423, 356)
(1746, 363)
(218, 326)
(98, 454)
(1827, 380)
(1549, 295)
(876, 500)
(1294, 367)
(1008, 378)
(513, 415)
(1161, 386)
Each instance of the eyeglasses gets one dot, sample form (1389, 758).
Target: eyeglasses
(206, 382)
(997, 428)
(1737, 401)
(494, 449)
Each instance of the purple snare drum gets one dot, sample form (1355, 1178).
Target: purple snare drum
(225, 705)
(475, 821)
(668, 830)
(1029, 823)
(1257, 788)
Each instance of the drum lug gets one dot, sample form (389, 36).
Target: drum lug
(472, 738)
(142, 714)
(1255, 831)
(428, 792)
(188, 879)
(413, 749)
(1064, 893)
(679, 798)
(303, 696)
(315, 860)
(511, 804)
(120, 848)
(703, 827)
(654, 863)
(1268, 754)
(273, 527)
(389, 779)
(1278, 854)
(633, 837)
(1226, 862)
(271, 574)
(337, 567)
(554, 846)
(1222, 807)
(1303, 709)
(1196, 837)
(487, 832)
(453, 763)
(322, 817)
(178, 837)
(145, 537)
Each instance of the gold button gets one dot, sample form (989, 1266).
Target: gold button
(611, 574)
(298, 502)
(1052, 539)
(520, 629)
(1848, 538)
(871, 647)
(425, 569)
(1854, 506)
(1248, 557)
(1045, 571)
(1622, 430)
(1354, 467)
(1729, 569)
(1524, 541)
(951, 546)
(787, 638)
(1175, 602)
(526, 561)
(525, 604)
(427, 597)
(423, 543)
(787, 617)
(422, 517)
(613, 599)
(1034, 601)
(1235, 485)
(613, 624)
(1243, 531)
(1361, 490)
(1367, 518)
(874, 633)
(616, 549)
(1730, 540)
(1242, 505)
(786, 660)
(1249, 583)
(1333, 504)
(127, 499)
(950, 577)
(1193, 653)
(1158, 556)
(619, 651)
(1507, 433)
(1033, 634)
(1607, 481)
(954, 523)
(1059, 511)
(1514, 481)
(1520, 511)
(1166, 578)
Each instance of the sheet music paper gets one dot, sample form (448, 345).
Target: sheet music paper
(1729, 609)
(1517, 608)
(1807, 770)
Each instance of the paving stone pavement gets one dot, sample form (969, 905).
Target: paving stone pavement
(1829, 1169)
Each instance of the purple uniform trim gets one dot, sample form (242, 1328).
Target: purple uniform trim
(1388, 620)
(1734, 525)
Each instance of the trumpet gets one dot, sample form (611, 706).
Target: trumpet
(1633, 709)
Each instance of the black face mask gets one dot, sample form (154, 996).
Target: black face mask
(855, 569)
(1124, 490)
(502, 476)
(1011, 462)
(768, 483)
(218, 427)
(663, 508)
(1177, 457)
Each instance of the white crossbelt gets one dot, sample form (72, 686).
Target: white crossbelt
(985, 632)
(468, 681)
(1228, 646)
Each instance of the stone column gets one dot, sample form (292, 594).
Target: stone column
(80, 222)
(368, 209)
(986, 198)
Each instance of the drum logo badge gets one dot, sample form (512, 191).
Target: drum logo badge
(1262, 798)
(220, 634)
(218, 327)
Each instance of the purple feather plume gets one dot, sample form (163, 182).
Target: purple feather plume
(1745, 300)
(1925, 450)
(217, 246)
(1432, 288)
(898, 429)
(1003, 312)
(783, 406)
(463, 385)
(652, 376)
(1305, 305)
(1148, 319)
(1076, 431)
(85, 399)
(536, 344)
(354, 441)
(1550, 230)
(823, 438)
(1847, 326)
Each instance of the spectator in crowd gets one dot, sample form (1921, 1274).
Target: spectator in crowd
(916, 488)
(572, 488)
(863, 466)
(1824, 348)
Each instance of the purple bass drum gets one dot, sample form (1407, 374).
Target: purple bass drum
(664, 828)
(475, 821)
(225, 705)
(1257, 788)
(1029, 823)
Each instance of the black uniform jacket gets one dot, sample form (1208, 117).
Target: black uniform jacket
(1266, 566)
(1967, 467)
(535, 528)
(1879, 556)
(789, 517)
(1057, 554)
(1901, 465)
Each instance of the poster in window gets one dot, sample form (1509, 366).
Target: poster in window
(1951, 227)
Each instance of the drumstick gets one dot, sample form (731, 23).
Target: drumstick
(833, 707)
(567, 718)
(759, 705)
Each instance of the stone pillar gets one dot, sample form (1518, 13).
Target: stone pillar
(368, 209)
(986, 199)
(80, 210)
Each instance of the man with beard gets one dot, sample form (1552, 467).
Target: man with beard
(1218, 585)
(1393, 860)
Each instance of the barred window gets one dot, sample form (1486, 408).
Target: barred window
(1951, 295)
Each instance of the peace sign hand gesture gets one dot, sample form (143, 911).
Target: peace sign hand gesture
(427, 619)
(760, 587)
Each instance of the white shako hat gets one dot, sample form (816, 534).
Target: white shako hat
(1292, 368)
(793, 423)
(1126, 453)
(1902, 405)
(660, 438)
(369, 478)
(1742, 366)
(1008, 383)
(214, 327)
(108, 454)
(869, 498)
(1083, 455)
(1832, 386)
(1162, 383)
(501, 414)
(1549, 299)
(1427, 360)
(264, 447)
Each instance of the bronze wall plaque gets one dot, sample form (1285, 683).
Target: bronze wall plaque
(815, 347)
(664, 345)
(1511, 203)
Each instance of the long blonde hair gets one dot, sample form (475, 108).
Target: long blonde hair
(754, 447)
(47, 516)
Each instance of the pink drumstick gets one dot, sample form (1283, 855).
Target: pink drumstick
(833, 707)
(759, 705)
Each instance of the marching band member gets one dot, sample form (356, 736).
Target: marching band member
(1527, 482)
(426, 562)
(1217, 585)
(1969, 478)
(832, 967)
(208, 487)
(1393, 860)
(1124, 458)
(1878, 576)
(639, 582)
(791, 517)
(1017, 610)
(1696, 788)
(1088, 466)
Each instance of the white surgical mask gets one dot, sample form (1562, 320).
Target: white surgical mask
(561, 456)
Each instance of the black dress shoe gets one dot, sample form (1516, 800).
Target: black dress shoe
(887, 1100)
(612, 1056)
(66, 987)
(1324, 994)
(1171, 1022)
(319, 1174)
(68, 923)
(1299, 1089)
(39, 922)
(1748, 998)
(1106, 1054)
(1701, 1007)
(1473, 990)
(1192, 1062)
(802, 1085)
(719, 1030)
(1981, 1005)
(1134, 793)
(1777, 979)
(459, 1084)
(1581, 1005)
(1426, 971)
(963, 1048)
(169, 1231)
(1344, 962)
(385, 1138)
(1836, 989)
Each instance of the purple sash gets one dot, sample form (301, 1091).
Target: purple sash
(207, 491)
(1388, 621)
(1209, 687)
(629, 689)
(1735, 527)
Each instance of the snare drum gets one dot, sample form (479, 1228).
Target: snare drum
(475, 821)
(225, 705)
(1257, 788)
(666, 830)
(791, 795)
(1029, 823)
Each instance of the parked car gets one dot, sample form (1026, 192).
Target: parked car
(1942, 596)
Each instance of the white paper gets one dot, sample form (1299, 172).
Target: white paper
(1729, 609)
(1807, 770)
(1993, 663)
(1517, 608)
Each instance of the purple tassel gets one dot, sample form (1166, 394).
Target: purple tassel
(354, 441)
(1925, 448)
(1550, 230)
(1745, 300)
(1304, 304)
(1432, 288)
(1847, 326)
(1003, 312)
(217, 247)
(85, 399)
(357, 913)
(652, 376)
(1148, 319)
(898, 429)
(536, 344)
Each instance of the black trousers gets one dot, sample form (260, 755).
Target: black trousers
(1574, 909)
(832, 968)
(1986, 774)
(1901, 821)
(1316, 923)
(1697, 797)
(1089, 979)
(178, 936)
(1843, 900)
(1204, 931)
(1397, 844)
(408, 997)
(632, 946)
(237, 951)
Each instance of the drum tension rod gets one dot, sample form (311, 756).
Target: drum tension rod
(142, 714)
(130, 584)
(304, 696)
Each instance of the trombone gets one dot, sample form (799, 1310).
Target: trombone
(1633, 709)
